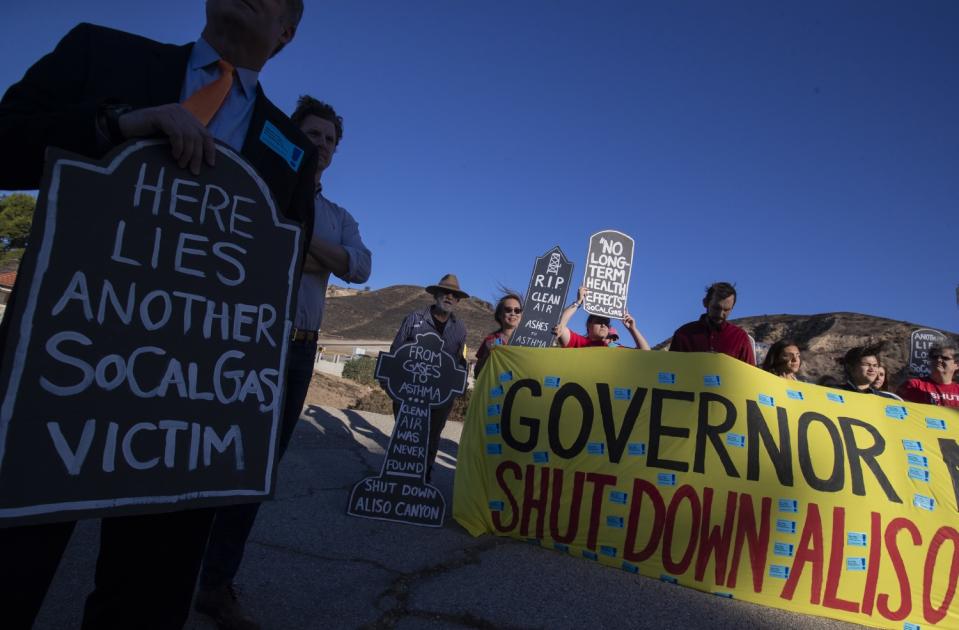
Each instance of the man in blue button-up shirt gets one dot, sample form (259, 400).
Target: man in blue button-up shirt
(335, 248)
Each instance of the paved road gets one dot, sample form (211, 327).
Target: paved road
(308, 565)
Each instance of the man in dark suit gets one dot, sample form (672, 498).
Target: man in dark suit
(98, 88)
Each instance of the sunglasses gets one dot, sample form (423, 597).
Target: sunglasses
(507, 310)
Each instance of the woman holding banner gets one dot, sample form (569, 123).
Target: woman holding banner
(508, 314)
(597, 328)
(784, 359)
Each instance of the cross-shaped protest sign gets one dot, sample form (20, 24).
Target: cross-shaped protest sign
(419, 375)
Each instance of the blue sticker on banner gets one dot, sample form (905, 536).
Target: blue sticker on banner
(505, 376)
(666, 479)
(629, 566)
(606, 550)
(896, 412)
(855, 564)
(856, 539)
(617, 496)
(736, 439)
(836, 398)
(911, 626)
(494, 449)
(590, 555)
(785, 526)
(667, 378)
(668, 578)
(493, 428)
(493, 410)
(923, 502)
(936, 423)
(778, 571)
(551, 382)
(496, 392)
(711, 380)
(541, 457)
(615, 521)
(912, 445)
(792, 393)
(279, 144)
(918, 460)
(919, 474)
(769, 401)
(596, 448)
(784, 549)
(622, 393)
(497, 506)
(636, 448)
(561, 547)
(789, 505)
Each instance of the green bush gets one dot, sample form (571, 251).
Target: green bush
(360, 369)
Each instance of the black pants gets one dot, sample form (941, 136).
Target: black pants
(233, 523)
(145, 574)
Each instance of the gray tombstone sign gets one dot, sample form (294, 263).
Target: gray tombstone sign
(609, 262)
(419, 375)
(144, 368)
(545, 298)
(919, 343)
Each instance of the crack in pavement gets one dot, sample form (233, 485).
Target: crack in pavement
(317, 556)
(397, 596)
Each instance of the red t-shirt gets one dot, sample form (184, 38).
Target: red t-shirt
(699, 336)
(578, 341)
(924, 390)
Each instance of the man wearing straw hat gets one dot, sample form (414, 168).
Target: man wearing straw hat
(437, 318)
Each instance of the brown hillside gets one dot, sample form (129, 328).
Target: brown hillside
(378, 314)
(827, 336)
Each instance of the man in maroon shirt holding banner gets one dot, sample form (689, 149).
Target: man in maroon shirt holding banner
(711, 332)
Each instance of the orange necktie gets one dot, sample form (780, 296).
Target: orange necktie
(205, 102)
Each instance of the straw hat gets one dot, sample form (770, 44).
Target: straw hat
(449, 282)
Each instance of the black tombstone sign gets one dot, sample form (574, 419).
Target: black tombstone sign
(919, 343)
(545, 298)
(419, 375)
(144, 368)
(609, 262)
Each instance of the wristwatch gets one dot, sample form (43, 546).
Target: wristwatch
(110, 115)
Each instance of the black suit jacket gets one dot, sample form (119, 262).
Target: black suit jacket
(56, 103)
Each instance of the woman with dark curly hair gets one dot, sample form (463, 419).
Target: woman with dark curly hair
(508, 314)
(784, 359)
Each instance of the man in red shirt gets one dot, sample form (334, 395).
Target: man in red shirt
(597, 328)
(938, 388)
(711, 332)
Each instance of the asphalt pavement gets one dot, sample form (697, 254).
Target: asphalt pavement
(309, 565)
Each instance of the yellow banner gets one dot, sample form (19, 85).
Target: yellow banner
(709, 473)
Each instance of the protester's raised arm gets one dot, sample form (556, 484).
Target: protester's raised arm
(638, 338)
(561, 331)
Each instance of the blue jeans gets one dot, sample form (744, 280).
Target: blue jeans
(232, 524)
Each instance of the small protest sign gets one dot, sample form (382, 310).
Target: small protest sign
(609, 262)
(145, 362)
(545, 298)
(419, 375)
(919, 343)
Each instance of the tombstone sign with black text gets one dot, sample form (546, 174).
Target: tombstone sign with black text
(545, 298)
(609, 262)
(144, 367)
(919, 343)
(419, 375)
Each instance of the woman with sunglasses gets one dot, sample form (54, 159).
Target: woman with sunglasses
(940, 387)
(508, 314)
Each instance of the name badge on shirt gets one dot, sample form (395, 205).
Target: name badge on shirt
(278, 143)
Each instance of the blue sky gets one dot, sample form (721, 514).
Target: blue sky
(807, 151)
